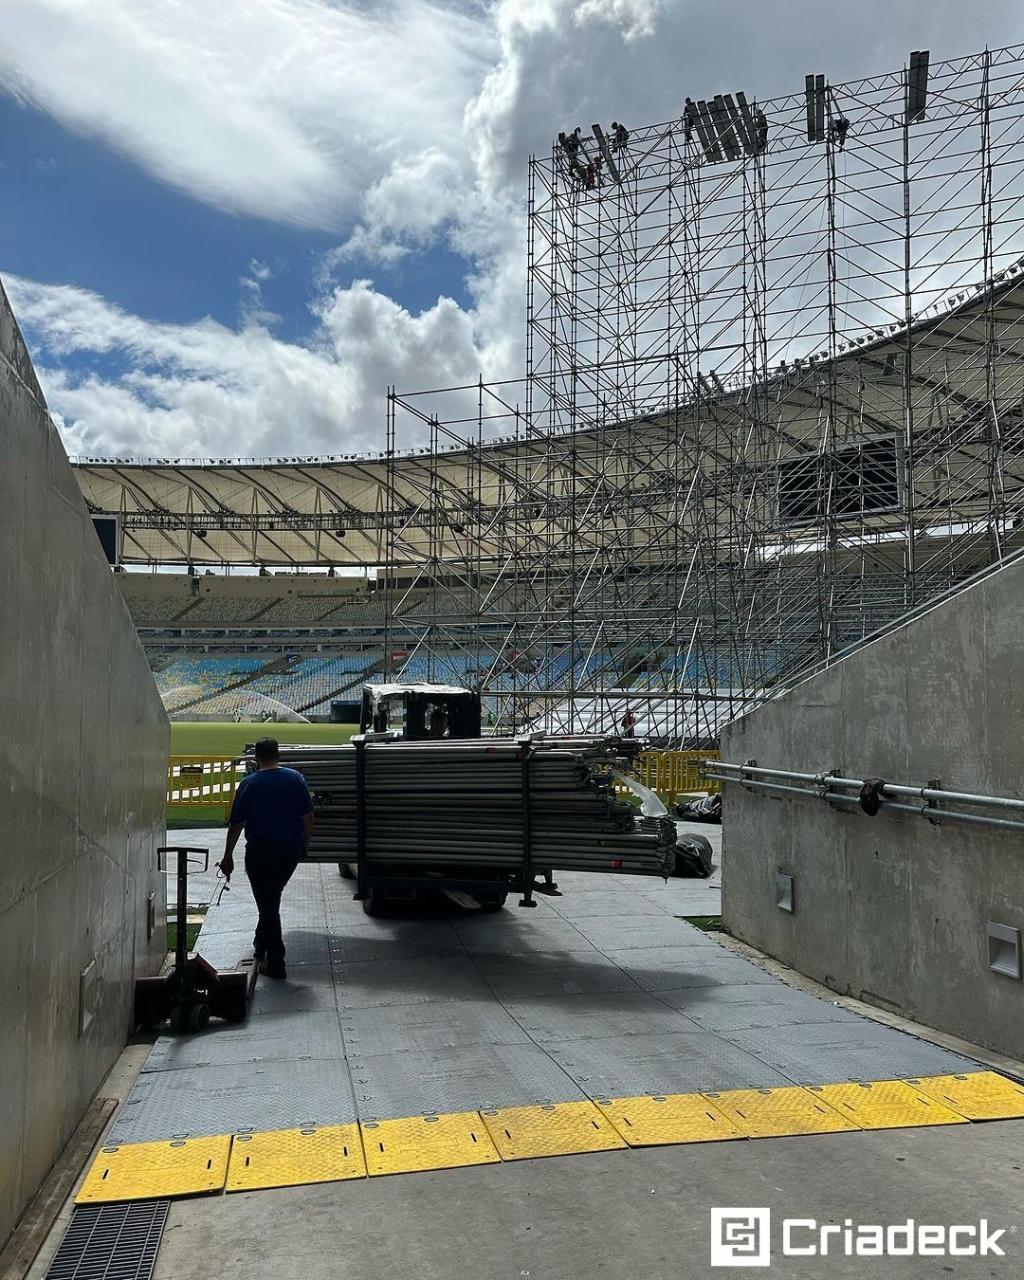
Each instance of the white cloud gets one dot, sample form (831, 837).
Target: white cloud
(402, 210)
(206, 390)
(286, 109)
(252, 309)
(392, 123)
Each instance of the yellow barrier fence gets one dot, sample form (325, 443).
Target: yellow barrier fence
(674, 773)
(201, 781)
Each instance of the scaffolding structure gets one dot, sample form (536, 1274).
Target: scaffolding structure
(774, 399)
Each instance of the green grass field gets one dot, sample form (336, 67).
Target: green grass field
(225, 738)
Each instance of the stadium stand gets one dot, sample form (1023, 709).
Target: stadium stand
(227, 687)
(206, 675)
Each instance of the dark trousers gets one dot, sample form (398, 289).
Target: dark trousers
(269, 868)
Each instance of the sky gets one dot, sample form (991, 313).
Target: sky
(226, 229)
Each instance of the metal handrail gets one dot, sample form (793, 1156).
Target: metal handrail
(829, 788)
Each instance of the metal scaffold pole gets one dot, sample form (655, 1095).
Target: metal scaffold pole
(774, 397)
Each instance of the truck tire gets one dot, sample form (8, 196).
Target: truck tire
(375, 903)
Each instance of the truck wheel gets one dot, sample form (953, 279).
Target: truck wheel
(198, 1017)
(494, 902)
(375, 902)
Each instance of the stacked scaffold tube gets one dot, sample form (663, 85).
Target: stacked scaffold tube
(461, 803)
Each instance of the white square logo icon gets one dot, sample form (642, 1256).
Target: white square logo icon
(741, 1237)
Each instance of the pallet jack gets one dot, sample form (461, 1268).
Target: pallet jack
(192, 991)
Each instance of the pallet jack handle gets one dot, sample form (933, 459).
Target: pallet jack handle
(185, 853)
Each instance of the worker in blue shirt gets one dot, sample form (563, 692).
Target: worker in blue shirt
(274, 808)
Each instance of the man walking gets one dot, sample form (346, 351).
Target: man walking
(274, 808)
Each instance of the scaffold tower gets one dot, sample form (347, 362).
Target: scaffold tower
(773, 400)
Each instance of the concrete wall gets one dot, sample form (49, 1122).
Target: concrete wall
(890, 908)
(83, 753)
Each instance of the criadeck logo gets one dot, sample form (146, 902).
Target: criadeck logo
(743, 1238)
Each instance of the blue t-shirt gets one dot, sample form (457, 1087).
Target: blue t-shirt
(271, 804)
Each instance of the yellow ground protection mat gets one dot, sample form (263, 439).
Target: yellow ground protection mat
(295, 1157)
(292, 1157)
(780, 1113)
(660, 1120)
(145, 1170)
(981, 1095)
(551, 1129)
(887, 1104)
(427, 1142)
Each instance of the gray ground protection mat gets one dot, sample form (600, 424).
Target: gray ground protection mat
(551, 935)
(444, 1010)
(596, 1015)
(358, 946)
(287, 1036)
(412, 1028)
(580, 906)
(303, 895)
(829, 1053)
(365, 983)
(208, 1100)
(675, 969)
(438, 934)
(225, 950)
(305, 945)
(552, 973)
(739, 1008)
(344, 912)
(682, 1062)
(465, 1079)
(609, 933)
(307, 987)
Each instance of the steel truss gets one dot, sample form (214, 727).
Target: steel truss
(774, 399)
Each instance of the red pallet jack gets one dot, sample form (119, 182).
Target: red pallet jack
(193, 991)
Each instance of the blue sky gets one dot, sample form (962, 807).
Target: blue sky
(227, 228)
(85, 214)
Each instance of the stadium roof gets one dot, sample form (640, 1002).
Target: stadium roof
(418, 506)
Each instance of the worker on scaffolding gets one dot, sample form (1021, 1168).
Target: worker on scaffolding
(628, 723)
(571, 142)
(838, 128)
(620, 136)
(689, 119)
(760, 131)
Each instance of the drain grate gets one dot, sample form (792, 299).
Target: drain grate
(111, 1242)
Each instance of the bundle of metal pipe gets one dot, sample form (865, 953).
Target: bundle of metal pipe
(461, 803)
